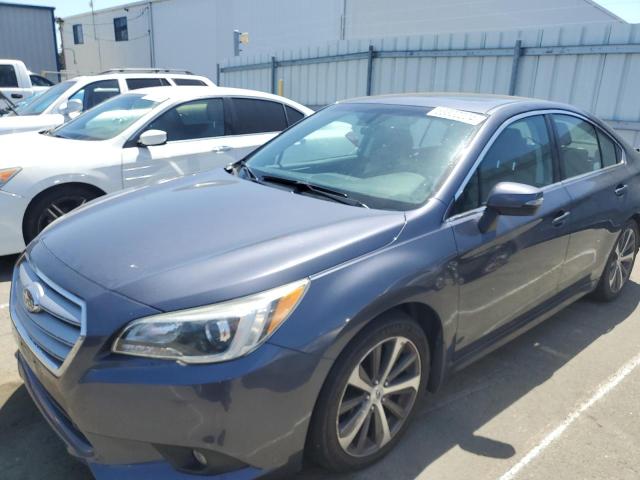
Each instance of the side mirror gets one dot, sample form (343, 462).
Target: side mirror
(508, 198)
(152, 138)
(71, 106)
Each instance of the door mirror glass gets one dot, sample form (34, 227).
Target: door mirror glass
(510, 198)
(152, 138)
(70, 107)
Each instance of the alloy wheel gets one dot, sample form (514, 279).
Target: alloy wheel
(58, 208)
(379, 396)
(622, 262)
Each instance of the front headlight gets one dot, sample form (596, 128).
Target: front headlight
(7, 174)
(213, 333)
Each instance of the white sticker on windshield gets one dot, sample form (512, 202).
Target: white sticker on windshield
(457, 115)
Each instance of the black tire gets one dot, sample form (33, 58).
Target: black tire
(41, 212)
(324, 446)
(608, 289)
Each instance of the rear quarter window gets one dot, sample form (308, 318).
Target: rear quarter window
(189, 82)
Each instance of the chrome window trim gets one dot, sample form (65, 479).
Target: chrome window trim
(24, 336)
(506, 123)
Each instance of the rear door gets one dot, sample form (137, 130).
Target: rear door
(254, 122)
(507, 272)
(595, 176)
(195, 143)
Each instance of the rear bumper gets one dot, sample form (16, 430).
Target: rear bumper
(12, 209)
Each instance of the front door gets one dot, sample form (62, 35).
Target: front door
(196, 142)
(507, 271)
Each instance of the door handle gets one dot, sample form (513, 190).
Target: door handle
(560, 219)
(621, 190)
(16, 95)
(221, 149)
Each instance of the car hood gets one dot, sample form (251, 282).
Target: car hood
(33, 149)
(27, 123)
(211, 237)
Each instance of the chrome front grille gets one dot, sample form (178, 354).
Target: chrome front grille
(54, 327)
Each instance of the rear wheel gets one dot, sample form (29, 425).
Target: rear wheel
(370, 395)
(619, 265)
(53, 205)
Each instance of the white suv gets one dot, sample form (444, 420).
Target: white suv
(64, 101)
(132, 140)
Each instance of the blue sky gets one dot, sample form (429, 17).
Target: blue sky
(627, 9)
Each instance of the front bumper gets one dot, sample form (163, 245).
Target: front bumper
(12, 209)
(139, 418)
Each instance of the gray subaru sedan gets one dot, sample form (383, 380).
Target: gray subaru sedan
(299, 303)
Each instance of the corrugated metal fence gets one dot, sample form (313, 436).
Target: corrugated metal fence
(596, 67)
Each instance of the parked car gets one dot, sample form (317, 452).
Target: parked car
(304, 299)
(68, 99)
(17, 83)
(132, 140)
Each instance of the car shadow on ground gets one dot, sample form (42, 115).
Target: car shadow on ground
(450, 418)
(6, 267)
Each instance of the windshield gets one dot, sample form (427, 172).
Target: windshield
(39, 103)
(108, 119)
(390, 157)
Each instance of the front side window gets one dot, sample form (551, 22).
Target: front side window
(390, 157)
(37, 104)
(521, 153)
(78, 34)
(258, 116)
(193, 120)
(109, 119)
(8, 78)
(97, 92)
(120, 29)
(578, 146)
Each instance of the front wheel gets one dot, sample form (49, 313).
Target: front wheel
(370, 395)
(52, 205)
(619, 265)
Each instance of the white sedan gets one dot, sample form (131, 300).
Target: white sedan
(132, 140)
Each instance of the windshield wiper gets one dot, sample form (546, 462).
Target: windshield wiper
(10, 106)
(306, 187)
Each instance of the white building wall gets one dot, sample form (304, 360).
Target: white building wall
(197, 34)
(100, 50)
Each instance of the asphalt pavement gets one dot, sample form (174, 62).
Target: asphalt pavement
(560, 402)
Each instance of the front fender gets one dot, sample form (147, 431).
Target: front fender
(343, 301)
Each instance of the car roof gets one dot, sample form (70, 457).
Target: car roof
(140, 75)
(470, 102)
(183, 93)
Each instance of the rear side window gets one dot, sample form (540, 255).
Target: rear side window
(578, 146)
(189, 82)
(136, 83)
(96, 93)
(521, 153)
(293, 115)
(609, 150)
(8, 76)
(258, 116)
(192, 120)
